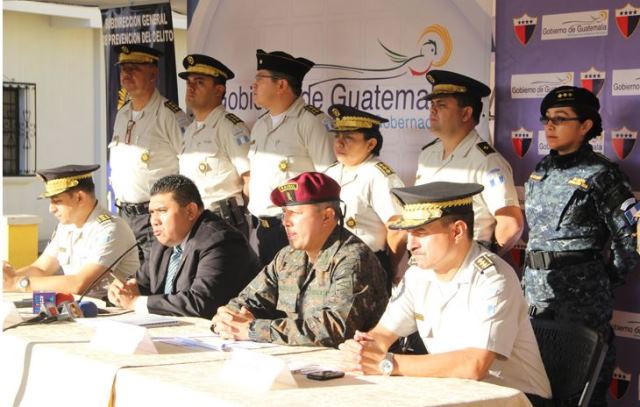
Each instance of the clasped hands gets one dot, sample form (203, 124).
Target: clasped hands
(230, 324)
(362, 354)
(124, 294)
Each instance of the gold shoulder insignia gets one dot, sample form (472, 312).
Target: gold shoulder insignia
(485, 148)
(580, 183)
(483, 262)
(430, 144)
(384, 169)
(104, 218)
(233, 118)
(312, 109)
(535, 176)
(172, 106)
(122, 98)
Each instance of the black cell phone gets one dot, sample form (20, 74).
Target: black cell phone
(24, 303)
(325, 375)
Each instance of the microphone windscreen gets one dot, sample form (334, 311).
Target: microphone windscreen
(89, 309)
(63, 297)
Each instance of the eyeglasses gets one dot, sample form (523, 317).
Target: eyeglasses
(556, 121)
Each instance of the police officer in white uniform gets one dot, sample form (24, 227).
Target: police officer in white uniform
(465, 302)
(459, 154)
(366, 184)
(216, 143)
(289, 139)
(87, 240)
(147, 139)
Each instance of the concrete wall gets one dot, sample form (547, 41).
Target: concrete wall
(66, 61)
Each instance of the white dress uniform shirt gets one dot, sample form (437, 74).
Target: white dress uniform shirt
(100, 240)
(215, 156)
(481, 307)
(473, 160)
(152, 151)
(299, 143)
(366, 194)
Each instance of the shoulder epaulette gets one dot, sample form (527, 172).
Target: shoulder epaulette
(233, 118)
(485, 265)
(104, 218)
(312, 109)
(384, 169)
(485, 148)
(430, 144)
(121, 102)
(172, 106)
(580, 183)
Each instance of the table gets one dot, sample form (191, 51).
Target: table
(52, 364)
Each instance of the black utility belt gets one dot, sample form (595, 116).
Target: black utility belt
(229, 210)
(548, 260)
(133, 208)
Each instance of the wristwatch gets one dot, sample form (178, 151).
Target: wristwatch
(386, 364)
(23, 284)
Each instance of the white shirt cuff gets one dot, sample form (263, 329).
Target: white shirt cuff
(140, 305)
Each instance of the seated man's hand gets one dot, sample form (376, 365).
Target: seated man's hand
(231, 324)
(362, 354)
(8, 276)
(124, 295)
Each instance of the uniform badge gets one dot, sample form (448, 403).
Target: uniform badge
(579, 182)
(535, 177)
(124, 49)
(485, 148)
(203, 167)
(418, 316)
(485, 265)
(335, 112)
(313, 110)
(104, 218)
(283, 165)
(233, 118)
(190, 60)
(351, 223)
(384, 169)
(144, 157)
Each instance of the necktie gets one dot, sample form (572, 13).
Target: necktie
(174, 266)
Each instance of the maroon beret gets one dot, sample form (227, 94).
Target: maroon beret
(306, 188)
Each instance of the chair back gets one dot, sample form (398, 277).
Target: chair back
(572, 356)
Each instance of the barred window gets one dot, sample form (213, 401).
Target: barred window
(18, 129)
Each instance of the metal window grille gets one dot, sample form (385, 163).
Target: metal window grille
(18, 129)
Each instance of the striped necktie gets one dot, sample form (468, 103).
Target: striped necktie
(174, 266)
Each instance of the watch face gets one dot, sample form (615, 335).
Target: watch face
(386, 367)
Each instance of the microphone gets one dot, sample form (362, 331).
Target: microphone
(140, 241)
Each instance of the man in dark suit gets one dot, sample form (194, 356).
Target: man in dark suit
(197, 263)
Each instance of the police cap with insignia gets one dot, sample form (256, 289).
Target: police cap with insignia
(205, 65)
(61, 179)
(569, 96)
(446, 83)
(137, 54)
(347, 118)
(278, 61)
(425, 203)
(306, 188)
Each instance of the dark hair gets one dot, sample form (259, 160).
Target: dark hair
(474, 102)
(373, 133)
(84, 184)
(465, 217)
(183, 190)
(294, 85)
(587, 113)
(335, 205)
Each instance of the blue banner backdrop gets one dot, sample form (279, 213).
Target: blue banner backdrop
(594, 44)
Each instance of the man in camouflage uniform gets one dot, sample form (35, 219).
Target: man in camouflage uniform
(318, 290)
(575, 202)
(289, 139)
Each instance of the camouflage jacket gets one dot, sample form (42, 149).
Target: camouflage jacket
(298, 303)
(577, 202)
